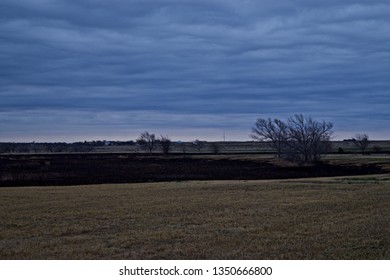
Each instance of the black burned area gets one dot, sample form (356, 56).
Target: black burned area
(78, 169)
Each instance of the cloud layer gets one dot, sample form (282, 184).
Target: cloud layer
(75, 70)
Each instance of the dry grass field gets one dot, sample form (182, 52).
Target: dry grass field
(317, 218)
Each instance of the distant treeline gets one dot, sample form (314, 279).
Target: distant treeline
(229, 147)
(58, 147)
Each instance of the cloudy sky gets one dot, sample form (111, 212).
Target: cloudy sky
(110, 69)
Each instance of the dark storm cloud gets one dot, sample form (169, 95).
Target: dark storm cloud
(84, 68)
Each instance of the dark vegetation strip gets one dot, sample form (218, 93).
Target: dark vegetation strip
(76, 169)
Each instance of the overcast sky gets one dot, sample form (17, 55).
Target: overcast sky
(95, 69)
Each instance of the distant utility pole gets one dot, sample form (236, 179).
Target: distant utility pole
(224, 137)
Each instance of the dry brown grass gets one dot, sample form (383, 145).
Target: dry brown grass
(325, 218)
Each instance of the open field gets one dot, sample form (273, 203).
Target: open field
(318, 218)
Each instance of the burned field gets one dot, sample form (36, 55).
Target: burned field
(76, 169)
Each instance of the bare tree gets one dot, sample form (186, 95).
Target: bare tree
(165, 143)
(361, 141)
(215, 147)
(147, 141)
(308, 139)
(8, 147)
(198, 144)
(274, 131)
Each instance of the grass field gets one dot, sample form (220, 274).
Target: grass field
(317, 218)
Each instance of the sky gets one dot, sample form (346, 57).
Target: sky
(190, 69)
